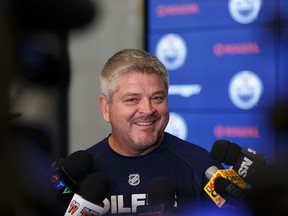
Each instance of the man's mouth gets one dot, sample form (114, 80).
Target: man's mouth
(144, 123)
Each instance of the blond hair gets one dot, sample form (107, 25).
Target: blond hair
(126, 61)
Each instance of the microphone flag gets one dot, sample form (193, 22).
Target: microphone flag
(229, 174)
(79, 206)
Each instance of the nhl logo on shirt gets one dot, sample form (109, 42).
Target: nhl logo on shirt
(134, 179)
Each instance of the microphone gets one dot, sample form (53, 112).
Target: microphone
(67, 172)
(245, 161)
(53, 14)
(213, 173)
(94, 190)
(161, 198)
(228, 190)
(235, 196)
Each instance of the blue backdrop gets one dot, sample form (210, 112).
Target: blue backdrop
(227, 62)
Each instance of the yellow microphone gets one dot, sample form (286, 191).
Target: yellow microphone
(212, 173)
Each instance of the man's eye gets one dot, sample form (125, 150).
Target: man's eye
(158, 98)
(131, 100)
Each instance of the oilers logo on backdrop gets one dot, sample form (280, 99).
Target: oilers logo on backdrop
(177, 126)
(245, 89)
(244, 11)
(171, 50)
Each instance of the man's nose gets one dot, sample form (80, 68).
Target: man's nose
(146, 106)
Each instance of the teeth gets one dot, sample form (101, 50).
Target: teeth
(144, 123)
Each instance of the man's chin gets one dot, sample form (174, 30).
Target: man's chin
(147, 140)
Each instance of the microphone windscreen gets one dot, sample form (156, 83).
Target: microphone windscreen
(78, 164)
(161, 191)
(220, 185)
(219, 150)
(232, 154)
(95, 188)
(55, 14)
(228, 190)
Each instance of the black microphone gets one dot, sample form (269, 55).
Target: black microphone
(231, 192)
(248, 163)
(94, 190)
(213, 173)
(42, 31)
(235, 196)
(54, 14)
(161, 198)
(67, 172)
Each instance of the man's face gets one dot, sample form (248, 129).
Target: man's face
(138, 113)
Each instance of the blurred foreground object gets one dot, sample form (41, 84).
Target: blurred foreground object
(34, 55)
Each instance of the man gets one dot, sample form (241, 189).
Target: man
(134, 101)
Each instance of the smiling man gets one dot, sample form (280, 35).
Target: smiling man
(134, 101)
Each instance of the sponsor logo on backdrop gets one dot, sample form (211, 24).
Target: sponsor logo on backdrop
(244, 11)
(177, 126)
(184, 90)
(221, 131)
(177, 9)
(171, 50)
(246, 48)
(245, 89)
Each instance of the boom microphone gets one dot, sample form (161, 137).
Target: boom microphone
(245, 161)
(42, 33)
(94, 190)
(67, 172)
(161, 198)
(63, 14)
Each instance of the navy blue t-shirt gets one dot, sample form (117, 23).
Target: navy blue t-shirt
(182, 162)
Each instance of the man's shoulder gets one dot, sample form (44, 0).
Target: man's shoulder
(192, 153)
(98, 148)
(180, 145)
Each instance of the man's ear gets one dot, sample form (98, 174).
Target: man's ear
(104, 105)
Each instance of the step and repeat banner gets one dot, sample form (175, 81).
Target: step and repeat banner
(227, 62)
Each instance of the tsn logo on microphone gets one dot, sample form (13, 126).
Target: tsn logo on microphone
(85, 211)
(245, 165)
